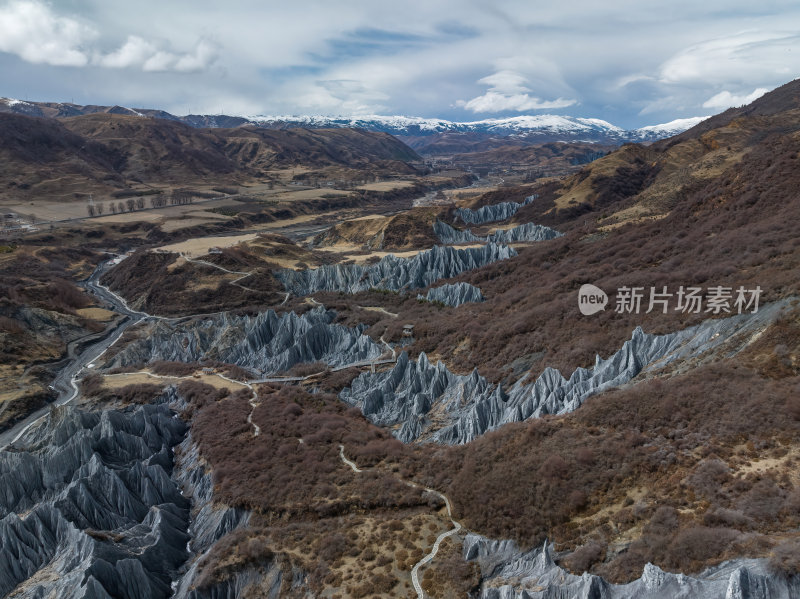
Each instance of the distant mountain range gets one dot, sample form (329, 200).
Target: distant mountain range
(427, 136)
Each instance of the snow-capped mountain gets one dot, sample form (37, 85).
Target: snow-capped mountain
(528, 128)
(525, 129)
(408, 125)
(654, 132)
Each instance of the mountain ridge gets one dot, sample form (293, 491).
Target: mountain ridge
(530, 128)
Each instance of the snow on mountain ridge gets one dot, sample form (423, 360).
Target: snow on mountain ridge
(670, 128)
(544, 122)
(549, 123)
(13, 102)
(542, 126)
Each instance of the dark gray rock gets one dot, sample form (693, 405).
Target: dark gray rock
(406, 394)
(393, 273)
(508, 573)
(495, 212)
(521, 233)
(453, 295)
(526, 232)
(265, 344)
(88, 506)
(468, 406)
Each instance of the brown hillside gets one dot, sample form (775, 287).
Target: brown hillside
(103, 152)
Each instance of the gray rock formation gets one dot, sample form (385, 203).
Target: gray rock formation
(468, 406)
(453, 295)
(406, 394)
(265, 344)
(521, 233)
(451, 235)
(526, 232)
(508, 573)
(489, 214)
(393, 273)
(88, 507)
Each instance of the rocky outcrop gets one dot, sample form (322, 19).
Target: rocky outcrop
(526, 232)
(89, 509)
(519, 234)
(265, 344)
(489, 214)
(453, 295)
(451, 235)
(393, 273)
(405, 395)
(466, 407)
(508, 573)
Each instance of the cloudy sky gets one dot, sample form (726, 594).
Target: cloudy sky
(632, 63)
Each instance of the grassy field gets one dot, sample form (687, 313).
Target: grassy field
(386, 185)
(201, 246)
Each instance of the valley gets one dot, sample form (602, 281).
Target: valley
(300, 380)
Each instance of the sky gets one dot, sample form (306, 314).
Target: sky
(631, 63)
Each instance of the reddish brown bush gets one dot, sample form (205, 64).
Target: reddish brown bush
(584, 557)
(785, 558)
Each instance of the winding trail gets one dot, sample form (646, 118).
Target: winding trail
(380, 309)
(234, 282)
(390, 348)
(435, 549)
(253, 401)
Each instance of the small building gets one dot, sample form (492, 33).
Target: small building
(408, 330)
(208, 370)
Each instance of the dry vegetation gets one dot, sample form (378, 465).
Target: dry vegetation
(359, 534)
(660, 472)
(737, 230)
(682, 471)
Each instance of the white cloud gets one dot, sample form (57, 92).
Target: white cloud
(509, 87)
(726, 99)
(30, 30)
(203, 56)
(134, 52)
(748, 56)
(618, 61)
(493, 101)
(138, 52)
(507, 81)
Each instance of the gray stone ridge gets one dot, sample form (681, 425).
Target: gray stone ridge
(89, 508)
(493, 213)
(453, 294)
(265, 344)
(467, 406)
(508, 573)
(392, 273)
(519, 234)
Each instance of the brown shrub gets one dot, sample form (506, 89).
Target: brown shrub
(167, 368)
(139, 393)
(698, 544)
(584, 557)
(785, 558)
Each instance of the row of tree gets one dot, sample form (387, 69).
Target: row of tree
(176, 198)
